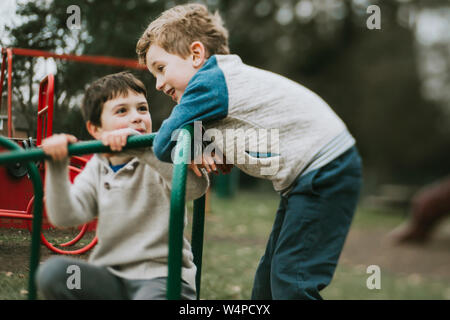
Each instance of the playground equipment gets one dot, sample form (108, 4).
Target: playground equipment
(16, 204)
(17, 199)
(29, 162)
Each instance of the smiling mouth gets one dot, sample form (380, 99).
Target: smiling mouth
(141, 130)
(171, 93)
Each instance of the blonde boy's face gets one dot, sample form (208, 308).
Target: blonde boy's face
(172, 72)
(129, 111)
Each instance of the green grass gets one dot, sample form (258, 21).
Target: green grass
(13, 285)
(236, 232)
(369, 218)
(15, 258)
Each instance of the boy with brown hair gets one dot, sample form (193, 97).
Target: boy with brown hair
(129, 193)
(311, 157)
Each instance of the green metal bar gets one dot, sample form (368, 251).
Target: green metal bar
(198, 226)
(176, 219)
(37, 216)
(80, 148)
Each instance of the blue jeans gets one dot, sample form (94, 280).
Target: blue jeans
(309, 231)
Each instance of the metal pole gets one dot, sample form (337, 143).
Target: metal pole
(198, 226)
(177, 207)
(79, 148)
(10, 120)
(2, 76)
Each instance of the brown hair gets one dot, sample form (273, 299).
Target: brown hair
(107, 88)
(175, 30)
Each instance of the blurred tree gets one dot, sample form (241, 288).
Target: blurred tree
(44, 28)
(34, 33)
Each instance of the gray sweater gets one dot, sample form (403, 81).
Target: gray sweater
(267, 125)
(132, 206)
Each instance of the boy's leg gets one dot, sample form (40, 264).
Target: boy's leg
(95, 282)
(156, 289)
(318, 215)
(261, 285)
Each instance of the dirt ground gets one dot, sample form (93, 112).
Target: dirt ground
(372, 247)
(15, 255)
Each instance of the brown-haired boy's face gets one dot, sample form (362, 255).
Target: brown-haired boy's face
(129, 111)
(172, 72)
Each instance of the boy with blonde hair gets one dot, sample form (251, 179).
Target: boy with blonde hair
(316, 166)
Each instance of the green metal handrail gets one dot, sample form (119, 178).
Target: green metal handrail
(176, 223)
(176, 220)
(198, 226)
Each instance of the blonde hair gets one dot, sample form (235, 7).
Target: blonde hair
(177, 28)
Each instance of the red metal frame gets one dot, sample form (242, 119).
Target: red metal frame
(9, 52)
(22, 187)
(104, 60)
(45, 108)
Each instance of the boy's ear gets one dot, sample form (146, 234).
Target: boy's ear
(94, 131)
(198, 53)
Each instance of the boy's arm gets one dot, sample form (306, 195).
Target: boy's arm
(67, 204)
(195, 186)
(205, 99)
